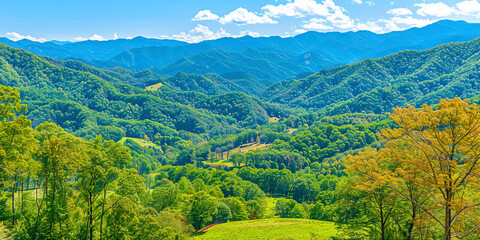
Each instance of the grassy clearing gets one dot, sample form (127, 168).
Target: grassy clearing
(221, 163)
(273, 119)
(245, 148)
(154, 87)
(270, 210)
(271, 229)
(141, 142)
(225, 163)
(291, 130)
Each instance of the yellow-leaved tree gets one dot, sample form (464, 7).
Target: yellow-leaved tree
(432, 161)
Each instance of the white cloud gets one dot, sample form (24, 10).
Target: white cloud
(203, 33)
(115, 36)
(300, 31)
(205, 15)
(301, 8)
(400, 11)
(242, 16)
(247, 33)
(94, 37)
(471, 7)
(402, 23)
(338, 17)
(390, 26)
(200, 33)
(435, 9)
(369, 26)
(297, 8)
(369, 3)
(412, 22)
(79, 39)
(316, 24)
(16, 37)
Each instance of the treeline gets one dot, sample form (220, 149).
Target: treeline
(85, 100)
(378, 85)
(58, 186)
(292, 149)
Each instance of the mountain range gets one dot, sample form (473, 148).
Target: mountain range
(377, 85)
(264, 58)
(85, 100)
(120, 102)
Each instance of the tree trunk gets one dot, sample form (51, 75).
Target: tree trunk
(52, 204)
(91, 217)
(382, 223)
(411, 224)
(21, 191)
(448, 217)
(103, 211)
(13, 199)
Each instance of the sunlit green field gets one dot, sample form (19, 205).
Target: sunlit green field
(276, 228)
(141, 142)
(270, 210)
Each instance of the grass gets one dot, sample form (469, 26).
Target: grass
(270, 210)
(273, 228)
(221, 163)
(291, 130)
(141, 142)
(273, 120)
(243, 148)
(154, 87)
(247, 147)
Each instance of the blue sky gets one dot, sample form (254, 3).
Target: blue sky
(196, 20)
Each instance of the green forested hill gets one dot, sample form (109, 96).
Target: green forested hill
(86, 101)
(212, 83)
(270, 64)
(193, 151)
(416, 77)
(209, 83)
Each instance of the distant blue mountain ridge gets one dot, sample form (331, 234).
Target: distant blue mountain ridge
(265, 58)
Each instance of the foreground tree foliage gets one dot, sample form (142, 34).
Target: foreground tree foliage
(58, 186)
(432, 161)
(418, 182)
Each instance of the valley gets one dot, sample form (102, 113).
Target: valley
(351, 135)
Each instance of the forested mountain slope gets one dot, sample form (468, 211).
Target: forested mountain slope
(90, 101)
(308, 51)
(416, 77)
(210, 83)
(88, 50)
(262, 64)
(274, 58)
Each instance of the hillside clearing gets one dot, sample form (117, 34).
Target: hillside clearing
(271, 229)
(140, 142)
(154, 87)
(245, 148)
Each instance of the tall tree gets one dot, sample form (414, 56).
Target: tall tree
(60, 156)
(200, 209)
(17, 142)
(102, 168)
(437, 150)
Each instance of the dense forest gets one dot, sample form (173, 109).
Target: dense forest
(382, 149)
(378, 85)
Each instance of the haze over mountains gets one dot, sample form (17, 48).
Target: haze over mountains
(84, 99)
(376, 86)
(265, 58)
